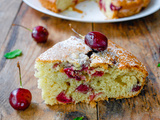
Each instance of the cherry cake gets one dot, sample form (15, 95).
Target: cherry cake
(73, 72)
(111, 8)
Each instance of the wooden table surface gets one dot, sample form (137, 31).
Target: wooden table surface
(141, 37)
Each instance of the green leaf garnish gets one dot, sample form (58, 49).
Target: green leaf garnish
(13, 54)
(158, 65)
(78, 118)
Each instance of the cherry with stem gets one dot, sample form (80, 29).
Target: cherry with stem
(39, 33)
(76, 31)
(95, 40)
(20, 98)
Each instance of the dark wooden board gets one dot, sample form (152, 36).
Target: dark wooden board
(141, 37)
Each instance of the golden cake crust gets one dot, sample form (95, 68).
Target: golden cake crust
(129, 3)
(51, 5)
(129, 7)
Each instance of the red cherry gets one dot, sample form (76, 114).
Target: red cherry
(96, 41)
(20, 98)
(40, 34)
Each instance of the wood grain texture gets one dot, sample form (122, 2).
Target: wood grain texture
(141, 37)
(19, 38)
(8, 11)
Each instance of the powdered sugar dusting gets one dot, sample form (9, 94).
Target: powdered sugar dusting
(123, 57)
(78, 59)
(65, 50)
(74, 51)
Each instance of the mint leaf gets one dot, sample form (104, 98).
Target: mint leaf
(158, 65)
(13, 54)
(78, 118)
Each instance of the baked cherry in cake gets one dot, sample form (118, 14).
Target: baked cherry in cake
(136, 88)
(83, 88)
(115, 8)
(74, 71)
(62, 98)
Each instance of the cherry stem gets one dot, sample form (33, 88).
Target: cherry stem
(18, 65)
(76, 31)
(22, 26)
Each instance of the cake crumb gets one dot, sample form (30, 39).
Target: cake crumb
(93, 104)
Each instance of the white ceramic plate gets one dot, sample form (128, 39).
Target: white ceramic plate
(91, 12)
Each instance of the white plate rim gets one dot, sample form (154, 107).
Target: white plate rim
(137, 16)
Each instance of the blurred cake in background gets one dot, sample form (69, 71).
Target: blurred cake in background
(112, 9)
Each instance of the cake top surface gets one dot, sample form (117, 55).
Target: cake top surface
(75, 51)
(72, 49)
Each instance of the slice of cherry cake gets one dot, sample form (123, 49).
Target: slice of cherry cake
(72, 72)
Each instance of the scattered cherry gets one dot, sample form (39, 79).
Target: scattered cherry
(20, 98)
(39, 33)
(96, 40)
